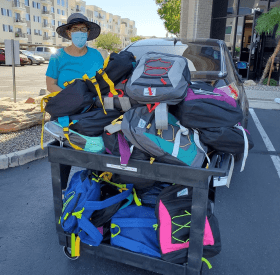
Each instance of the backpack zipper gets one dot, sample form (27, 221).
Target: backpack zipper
(152, 85)
(70, 213)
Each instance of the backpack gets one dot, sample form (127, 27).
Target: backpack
(134, 228)
(159, 77)
(232, 140)
(119, 101)
(81, 199)
(207, 107)
(73, 99)
(173, 212)
(113, 143)
(91, 123)
(149, 195)
(177, 145)
(116, 68)
(75, 140)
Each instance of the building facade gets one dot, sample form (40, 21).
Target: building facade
(234, 22)
(35, 22)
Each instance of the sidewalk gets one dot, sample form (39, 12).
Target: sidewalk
(262, 99)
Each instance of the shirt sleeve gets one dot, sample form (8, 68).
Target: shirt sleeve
(99, 59)
(52, 70)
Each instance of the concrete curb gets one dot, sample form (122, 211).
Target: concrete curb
(24, 156)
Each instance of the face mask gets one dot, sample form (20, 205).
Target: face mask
(79, 38)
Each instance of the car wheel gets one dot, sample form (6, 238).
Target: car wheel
(31, 62)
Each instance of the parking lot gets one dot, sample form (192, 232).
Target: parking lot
(29, 80)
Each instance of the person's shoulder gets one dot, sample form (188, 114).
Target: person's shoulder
(93, 51)
(57, 54)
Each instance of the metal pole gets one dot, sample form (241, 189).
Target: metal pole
(14, 72)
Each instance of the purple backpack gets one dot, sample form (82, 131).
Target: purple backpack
(207, 107)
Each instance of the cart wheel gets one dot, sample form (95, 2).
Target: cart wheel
(67, 252)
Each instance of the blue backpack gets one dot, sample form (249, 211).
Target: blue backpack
(134, 228)
(81, 199)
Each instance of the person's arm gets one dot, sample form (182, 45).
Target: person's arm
(52, 74)
(52, 85)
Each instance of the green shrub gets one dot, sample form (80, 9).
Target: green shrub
(272, 82)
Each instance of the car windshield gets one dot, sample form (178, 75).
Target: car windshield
(26, 52)
(200, 57)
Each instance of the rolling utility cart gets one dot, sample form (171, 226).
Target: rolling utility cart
(63, 158)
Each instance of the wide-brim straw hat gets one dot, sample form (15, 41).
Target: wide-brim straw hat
(76, 18)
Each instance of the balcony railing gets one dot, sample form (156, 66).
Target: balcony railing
(46, 25)
(19, 20)
(20, 34)
(17, 4)
(46, 2)
(46, 12)
(46, 38)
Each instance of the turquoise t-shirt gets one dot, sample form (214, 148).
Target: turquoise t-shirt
(65, 67)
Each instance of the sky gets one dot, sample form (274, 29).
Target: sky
(143, 12)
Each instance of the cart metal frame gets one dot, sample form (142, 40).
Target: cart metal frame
(62, 158)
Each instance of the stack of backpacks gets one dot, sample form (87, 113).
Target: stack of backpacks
(145, 110)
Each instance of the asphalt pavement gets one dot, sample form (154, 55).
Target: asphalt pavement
(30, 79)
(248, 214)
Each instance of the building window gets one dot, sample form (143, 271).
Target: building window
(10, 13)
(28, 31)
(52, 9)
(35, 32)
(46, 34)
(59, 23)
(3, 12)
(62, 12)
(11, 28)
(53, 22)
(38, 6)
(27, 16)
(26, 2)
(58, 2)
(34, 4)
(228, 29)
(39, 19)
(40, 32)
(53, 34)
(58, 11)
(62, 3)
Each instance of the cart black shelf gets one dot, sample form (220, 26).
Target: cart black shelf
(62, 158)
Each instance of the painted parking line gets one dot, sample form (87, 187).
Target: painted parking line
(275, 159)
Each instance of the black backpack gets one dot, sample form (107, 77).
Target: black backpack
(173, 212)
(207, 107)
(73, 99)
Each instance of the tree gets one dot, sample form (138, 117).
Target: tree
(267, 23)
(136, 38)
(109, 41)
(170, 12)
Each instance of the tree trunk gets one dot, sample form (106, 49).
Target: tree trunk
(272, 60)
(266, 69)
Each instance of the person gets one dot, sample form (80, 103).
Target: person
(76, 60)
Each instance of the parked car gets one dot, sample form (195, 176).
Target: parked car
(23, 59)
(34, 59)
(43, 51)
(209, 61)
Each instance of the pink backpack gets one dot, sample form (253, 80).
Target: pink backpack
(173, 212)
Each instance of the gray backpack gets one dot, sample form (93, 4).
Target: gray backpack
(159, 78)
(176, 145)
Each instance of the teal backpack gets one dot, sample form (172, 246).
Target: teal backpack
(176, 145)
(73, 139)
